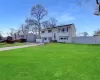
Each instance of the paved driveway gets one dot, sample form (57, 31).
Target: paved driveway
(16, 47)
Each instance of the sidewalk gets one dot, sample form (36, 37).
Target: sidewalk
(17, 47)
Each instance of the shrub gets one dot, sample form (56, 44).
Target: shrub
(9, 40)
(22, 40)
(16, 40)
(54, 41)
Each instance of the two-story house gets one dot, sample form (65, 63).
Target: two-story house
(62, 33)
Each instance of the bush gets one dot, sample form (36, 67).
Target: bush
(9, 40)
(16, 41)
(22, 40)
(54, 41)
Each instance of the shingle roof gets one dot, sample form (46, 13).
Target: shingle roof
(60, 26)
(65, 25)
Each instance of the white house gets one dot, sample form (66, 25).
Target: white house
(62, 33)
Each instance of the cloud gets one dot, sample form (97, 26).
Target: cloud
(65, 18)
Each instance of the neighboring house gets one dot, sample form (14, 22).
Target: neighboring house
(62, 33)
(30, 37)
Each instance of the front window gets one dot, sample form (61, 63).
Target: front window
(50, 38)
(45, 38)
(63, 38)
(67, 29)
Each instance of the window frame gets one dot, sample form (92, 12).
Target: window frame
(63, 38)
(49, 31)
(67, 29)
(42, 31)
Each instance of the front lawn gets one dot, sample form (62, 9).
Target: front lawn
(51, 62)
(9, 45)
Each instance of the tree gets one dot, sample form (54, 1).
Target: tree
(52, 22)
(97, 3)
(38, 12)
(0, 35)
(85, 34)
(13, 32)
(97, 32)
(32, 24)
(24, 29)
(46, 24)
(98, 10)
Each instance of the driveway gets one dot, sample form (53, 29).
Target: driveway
(16, 47)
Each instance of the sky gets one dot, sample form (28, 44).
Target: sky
(14, 12)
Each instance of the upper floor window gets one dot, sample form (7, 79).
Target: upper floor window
(67, 29)
(43, 31)
(63, 29)
(49, 31)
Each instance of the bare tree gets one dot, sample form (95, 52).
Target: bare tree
(97, 3)
(1, 35)
(24, 29)
(32, 24)
(46, 24)
(85, 34)
(98, 10)
(38, 12)
(12, 31)
(97, 32)
(52, 22)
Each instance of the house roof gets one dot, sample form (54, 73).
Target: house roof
(67, 25)
(64, 25)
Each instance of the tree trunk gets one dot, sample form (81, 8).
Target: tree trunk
(39, 27)
(39, 31)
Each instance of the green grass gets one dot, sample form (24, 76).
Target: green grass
(9, 45)
(51, 62)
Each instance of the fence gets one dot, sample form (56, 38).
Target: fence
(86, 40)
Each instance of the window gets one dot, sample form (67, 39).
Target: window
(49, 31)
(60, 38)
(43, 31)
(45, 38)
(63, 38)
(50, 38)
(67, 29)
(63, 30)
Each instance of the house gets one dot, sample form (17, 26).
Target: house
(63, 33)
(30, 37)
